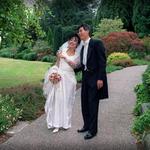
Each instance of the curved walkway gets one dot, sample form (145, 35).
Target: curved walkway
(115, 119)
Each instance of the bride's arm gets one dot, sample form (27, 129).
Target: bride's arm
(74, 64)
(59, 55)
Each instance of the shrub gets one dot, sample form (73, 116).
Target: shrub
(147, 58)
(122, 59)
(21, 54)
(122, 42)
(8, 52)
(9, 114)
(107, 26)
(30, 56)
(146, 41)
(142, 96)
(49, 58)
(141, 124)
(146, 79)
(123, 63)
(42, 49)
(28, 98)
(112, 68)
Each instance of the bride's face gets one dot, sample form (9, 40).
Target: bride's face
(72, 43)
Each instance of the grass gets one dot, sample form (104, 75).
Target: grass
(17, 72)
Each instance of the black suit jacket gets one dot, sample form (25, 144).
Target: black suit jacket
(96, 65)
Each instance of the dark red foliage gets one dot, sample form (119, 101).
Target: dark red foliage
(122, 42)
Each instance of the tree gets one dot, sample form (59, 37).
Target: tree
(116, 8)
(141, 17)
(68, 14)
(11, 21)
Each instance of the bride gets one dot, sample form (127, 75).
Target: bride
(60, 96)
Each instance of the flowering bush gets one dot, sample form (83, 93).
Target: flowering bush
(9, 114)
(123, 42)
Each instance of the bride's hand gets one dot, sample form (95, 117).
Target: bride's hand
(60, 55)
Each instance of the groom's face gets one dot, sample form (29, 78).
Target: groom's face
(84, 34)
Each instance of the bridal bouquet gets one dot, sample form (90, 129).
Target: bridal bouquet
(55, 78)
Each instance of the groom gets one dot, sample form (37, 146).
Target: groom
(94, 80)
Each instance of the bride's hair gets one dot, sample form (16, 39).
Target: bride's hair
(76, 38)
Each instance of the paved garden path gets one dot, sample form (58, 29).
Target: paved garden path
(115, 119)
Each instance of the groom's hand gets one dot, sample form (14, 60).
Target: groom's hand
(99, 84)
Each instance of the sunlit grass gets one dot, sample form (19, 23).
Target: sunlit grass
(17, 72)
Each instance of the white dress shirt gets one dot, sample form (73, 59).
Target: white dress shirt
(85, 52)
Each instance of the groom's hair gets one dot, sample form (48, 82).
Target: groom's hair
(86, 27)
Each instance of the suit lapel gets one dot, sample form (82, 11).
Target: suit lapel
(82, 54)
(89, 49)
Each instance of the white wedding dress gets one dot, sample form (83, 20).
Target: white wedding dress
(60, 97)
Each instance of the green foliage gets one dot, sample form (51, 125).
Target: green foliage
(112, 68)
(67, 31)
(146, 79)
(61, 17)
(141, 17)
(141, 124)
(30, 56)
(119, 8)
(146, 41)
(136, 54)
(141, 62)
(8, 52)
(142, 121)
(33, 29)
(9, 113)
(49, 58)
(27, 98)
(21, 54)
(79, 76)
(11, 21)
(41, 46)
(18, 24)
(107, 26)
(57, 38)
(142, 97)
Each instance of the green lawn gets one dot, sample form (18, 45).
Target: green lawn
(17, 72)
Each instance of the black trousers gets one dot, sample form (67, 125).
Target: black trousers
(90, 105)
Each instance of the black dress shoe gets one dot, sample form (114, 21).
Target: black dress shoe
(82, 130)
(89, 136)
